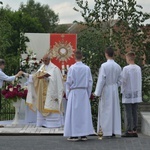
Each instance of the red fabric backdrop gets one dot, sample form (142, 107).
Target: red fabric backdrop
(69, 38)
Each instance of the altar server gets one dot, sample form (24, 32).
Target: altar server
(109, 117)
(78, 120)
(131, 93)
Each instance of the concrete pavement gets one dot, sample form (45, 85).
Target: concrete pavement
(60, 143)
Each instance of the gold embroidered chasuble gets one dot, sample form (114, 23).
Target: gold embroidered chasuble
(49, 92)
(40, 86)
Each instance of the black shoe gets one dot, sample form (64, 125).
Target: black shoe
(113, 135)
(73, 139)
(44, 127)
(107, 137)
(135, 135)
(127, 134)
(83, 138)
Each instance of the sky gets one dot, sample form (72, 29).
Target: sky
(64, 8)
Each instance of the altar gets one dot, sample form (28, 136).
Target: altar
(27, 124)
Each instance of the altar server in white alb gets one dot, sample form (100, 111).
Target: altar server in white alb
(45, 94)
(109, 118)
(131, 90)
(78, 120)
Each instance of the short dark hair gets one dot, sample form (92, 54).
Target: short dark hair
(109, 51)
(78, 55)
(2, 62)
(131, 55)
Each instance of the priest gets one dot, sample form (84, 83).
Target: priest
(109, 117)
(78, 120)
(46, 93)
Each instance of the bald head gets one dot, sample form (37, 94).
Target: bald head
(46, 59)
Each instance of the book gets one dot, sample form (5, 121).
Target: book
(42, 74)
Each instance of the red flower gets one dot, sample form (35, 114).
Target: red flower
(18, 87)
(64, 95)
(10, 95)
(14, 92)
(25, 94)
(4, 92)
(9, 86)
(20, 94)
(92, 96)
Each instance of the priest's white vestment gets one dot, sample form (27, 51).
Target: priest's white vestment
(78, 120)
(109, 117)
(45, 96)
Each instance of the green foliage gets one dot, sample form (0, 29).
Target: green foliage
(146, 83)
(12, 41)
(90, 43)
(61, 28)
(42, 14)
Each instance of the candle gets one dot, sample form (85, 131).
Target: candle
(63, 67)
(67, 67)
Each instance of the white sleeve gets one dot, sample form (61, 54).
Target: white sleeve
(123, 80)
(90, 83)
(68, 82)
(101, 82)
(30, 79)
(4, 77)
(119, 82)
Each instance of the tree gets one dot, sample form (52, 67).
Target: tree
(12, 42)
(118, 21)
(61, 28)
(42, 14)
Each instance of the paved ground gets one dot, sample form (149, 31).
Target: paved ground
(28, 129)
(60, 143)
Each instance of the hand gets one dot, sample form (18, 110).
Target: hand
(25, 74)
(19, 74)
(44, 76)
(47, 75)
(95, 95)
(41, 77)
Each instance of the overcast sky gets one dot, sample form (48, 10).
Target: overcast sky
(65, 7)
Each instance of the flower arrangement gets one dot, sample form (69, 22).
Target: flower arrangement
(14, 92)
(30, 63)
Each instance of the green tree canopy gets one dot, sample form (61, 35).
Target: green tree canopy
(119, 22)
(42, 14)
